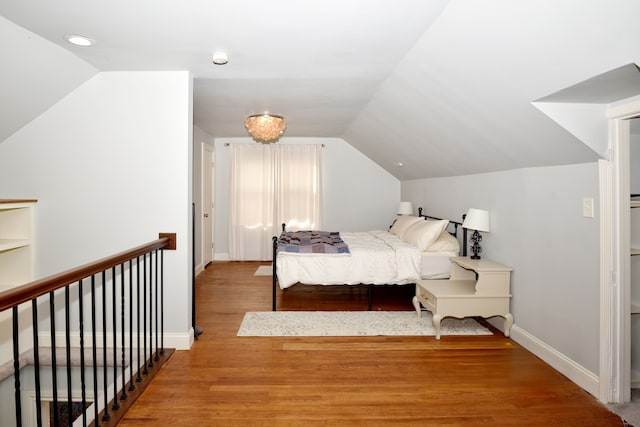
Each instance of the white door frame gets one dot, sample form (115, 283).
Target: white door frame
(615, 277)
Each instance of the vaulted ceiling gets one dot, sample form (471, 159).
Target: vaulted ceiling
(442, 87)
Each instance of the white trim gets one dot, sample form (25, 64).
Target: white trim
(199, 269)
(29, 402)
(608, 328)
(624, 111)
(622, 247)
(619, 308)
(179, 341)
(566, 366)
(221, 256)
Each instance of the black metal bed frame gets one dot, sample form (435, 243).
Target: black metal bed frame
(274, 277)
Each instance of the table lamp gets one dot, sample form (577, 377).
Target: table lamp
(405, 208)
(476, 220)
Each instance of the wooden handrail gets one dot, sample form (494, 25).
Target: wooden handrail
(29, 291)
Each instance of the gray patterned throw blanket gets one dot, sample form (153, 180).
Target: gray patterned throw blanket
(312, 242)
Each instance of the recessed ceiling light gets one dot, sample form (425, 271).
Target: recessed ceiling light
(400, 164)
(220, 58)
(77, 40)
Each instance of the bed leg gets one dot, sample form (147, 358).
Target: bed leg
(274, 278)
(273, 293)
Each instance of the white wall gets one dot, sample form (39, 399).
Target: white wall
(358, 195)
(538, 229)
(111, 167)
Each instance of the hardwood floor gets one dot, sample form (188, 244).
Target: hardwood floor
(225, 380)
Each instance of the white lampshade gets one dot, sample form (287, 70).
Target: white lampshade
(477, 219)
(405, 208)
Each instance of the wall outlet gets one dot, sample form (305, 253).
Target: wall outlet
(587, 207)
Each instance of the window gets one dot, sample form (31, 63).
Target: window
(270, 185)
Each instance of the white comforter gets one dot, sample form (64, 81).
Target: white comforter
(377, 257)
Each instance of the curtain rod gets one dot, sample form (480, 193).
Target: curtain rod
(226, 144)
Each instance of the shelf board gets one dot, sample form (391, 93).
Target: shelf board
(635, 203)
(635, 251)
(635, 308)
(8, 244)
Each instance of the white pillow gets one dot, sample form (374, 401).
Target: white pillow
(403, 223)
(445, 243)
(423, 234)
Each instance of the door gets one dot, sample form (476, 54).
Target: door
(207, 203)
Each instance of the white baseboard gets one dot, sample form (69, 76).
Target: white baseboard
(199, 269)
(561, 363)
(179, 341)
(221, 256)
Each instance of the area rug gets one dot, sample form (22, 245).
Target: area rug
(351, 323)
(263, 270)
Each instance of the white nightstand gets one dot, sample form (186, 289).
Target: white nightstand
(477, 287)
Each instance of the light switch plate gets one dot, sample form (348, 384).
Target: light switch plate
(587, 207)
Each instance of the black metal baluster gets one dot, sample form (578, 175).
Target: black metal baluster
(83, 382)
(144, 314)
(138, 378)
(162, 302)
(157, 308)
(94, 350)
(150, 310)
(67, 329)
(36, 360)
(16, 367)
(131, 381)
(105, 416)
(54, 362)
(116, 404)
(123, 396)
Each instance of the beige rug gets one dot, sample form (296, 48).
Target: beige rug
(352, 323)
(263, 270)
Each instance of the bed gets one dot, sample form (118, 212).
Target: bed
(414, 247)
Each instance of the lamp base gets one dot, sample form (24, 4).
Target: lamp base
(476, 238)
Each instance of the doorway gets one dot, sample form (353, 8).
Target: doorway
(616, 290)
(207, 206)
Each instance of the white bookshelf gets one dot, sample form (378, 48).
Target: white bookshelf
(17, 242)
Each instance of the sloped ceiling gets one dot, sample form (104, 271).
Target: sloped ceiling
(34, 75)
(442, 87)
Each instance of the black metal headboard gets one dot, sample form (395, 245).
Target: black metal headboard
(454, 233)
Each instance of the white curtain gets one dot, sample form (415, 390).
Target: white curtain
(270, 185)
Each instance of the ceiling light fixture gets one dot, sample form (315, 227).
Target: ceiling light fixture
(265, 128)
(77, 40)
(220, 58)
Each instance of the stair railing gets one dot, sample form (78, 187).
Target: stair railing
(100, 329)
